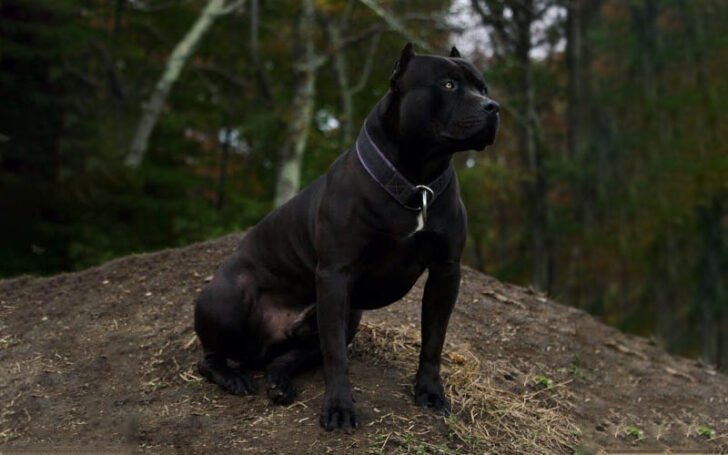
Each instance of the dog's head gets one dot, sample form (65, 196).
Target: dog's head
(442, 100)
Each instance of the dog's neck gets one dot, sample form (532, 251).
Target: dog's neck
(420, 163)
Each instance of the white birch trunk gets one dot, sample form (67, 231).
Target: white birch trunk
(346, 103)
(290, 157)
(175, 63)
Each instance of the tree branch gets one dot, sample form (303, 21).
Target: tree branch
(494, 18)
(231, 7)
(146, 8)
(117, 86)
(216, 70)
(362, 35)
(347, 13)
(395, 24)
(262, 75)
(80, 75)
(368, 64)
(155, 32)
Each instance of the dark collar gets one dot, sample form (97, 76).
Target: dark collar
(389, 178)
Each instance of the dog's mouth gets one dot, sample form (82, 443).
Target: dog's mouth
(485, 137)
(474, 134)
(491, 129)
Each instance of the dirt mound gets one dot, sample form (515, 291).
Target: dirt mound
(104, 358)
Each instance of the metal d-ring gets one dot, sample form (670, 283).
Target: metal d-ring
(424, 189)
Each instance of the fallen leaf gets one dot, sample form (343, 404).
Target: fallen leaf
(675, 372)
(457, 358)
(503, 299)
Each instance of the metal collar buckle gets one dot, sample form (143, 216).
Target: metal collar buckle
(424, 189)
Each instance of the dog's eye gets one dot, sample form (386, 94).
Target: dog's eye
(449, 85)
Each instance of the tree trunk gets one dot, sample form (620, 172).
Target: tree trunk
(575, 128)
(534, 184)
(290, 157)
(664, 279)
(723, 338)
(224, 157)
(513, 35)
(712, 291)
(574, 48)
(644, 17)
(260, 72)
(582, 140)
(346, 103)
(175, 63)
(118, 14)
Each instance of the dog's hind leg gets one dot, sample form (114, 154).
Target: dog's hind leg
(299, 351)
(220, 326)
(305, 353)
(280, 370)
(214, 367)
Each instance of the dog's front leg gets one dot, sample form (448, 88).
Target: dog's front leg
(441, 291)
(332, 294)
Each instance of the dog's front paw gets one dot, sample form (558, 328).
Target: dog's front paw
(338, 413)
(430, 394)
(282, 392)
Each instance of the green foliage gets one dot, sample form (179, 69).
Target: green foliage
(630, 233)
(706, 431)
(632, 430)
(71, 202)
(543, 380)
(73, 80)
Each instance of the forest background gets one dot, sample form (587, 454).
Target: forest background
(134, 125)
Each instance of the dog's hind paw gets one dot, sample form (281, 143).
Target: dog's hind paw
(240, 384)
(232, 380)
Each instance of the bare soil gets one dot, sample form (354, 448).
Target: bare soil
(105, 359)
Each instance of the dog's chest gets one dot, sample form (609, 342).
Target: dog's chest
(389, 268)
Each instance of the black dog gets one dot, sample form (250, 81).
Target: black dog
(356, 239)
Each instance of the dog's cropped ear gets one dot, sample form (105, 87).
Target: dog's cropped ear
(454, 52)
(399, 68)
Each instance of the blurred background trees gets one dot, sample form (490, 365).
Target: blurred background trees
(607, 188)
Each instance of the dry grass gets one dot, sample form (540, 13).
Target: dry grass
(485, 418)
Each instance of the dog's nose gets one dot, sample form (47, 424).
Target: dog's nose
(491, 107)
